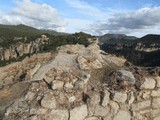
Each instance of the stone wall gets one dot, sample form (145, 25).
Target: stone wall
(84, 85)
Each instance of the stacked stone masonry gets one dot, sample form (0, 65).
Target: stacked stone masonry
(75, 89)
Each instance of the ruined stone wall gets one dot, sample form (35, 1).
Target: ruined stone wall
(81, 84)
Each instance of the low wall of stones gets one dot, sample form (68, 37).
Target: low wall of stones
(83, 88)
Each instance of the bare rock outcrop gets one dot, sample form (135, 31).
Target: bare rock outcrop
(78, 83)
(20, 49)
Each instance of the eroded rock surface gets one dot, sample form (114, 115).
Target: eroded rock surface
(78, 83)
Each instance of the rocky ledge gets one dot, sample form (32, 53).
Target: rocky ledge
(78, 83)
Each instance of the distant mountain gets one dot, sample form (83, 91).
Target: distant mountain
(114, 38)
(9, 32)
(52, 32)
(150, 38)
(24, 30)
(17, 30)
(143, 51)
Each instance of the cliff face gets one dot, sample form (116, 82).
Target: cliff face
(20, 49)
(78, 83)
(141, 52)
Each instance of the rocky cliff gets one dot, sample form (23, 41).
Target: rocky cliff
(78, 83)
(143, 51)
(20, 48)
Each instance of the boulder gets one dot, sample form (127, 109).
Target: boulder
(57, 84)
(122, 115)
(94, 99)
(149, 83)
(156, 103)
(114, 107)
(48, 101)
(101, 111)
(106, 98)
(58, 115)
(79, 113)
(157, 78)
(119, 97)
(127, 76)
(141, 105)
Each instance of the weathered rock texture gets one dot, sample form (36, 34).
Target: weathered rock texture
(20, 49)
(78, 83)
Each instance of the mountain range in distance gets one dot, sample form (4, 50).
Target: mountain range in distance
(24, 30)
(144, 51)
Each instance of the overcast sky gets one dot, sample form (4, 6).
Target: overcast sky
(97, 17)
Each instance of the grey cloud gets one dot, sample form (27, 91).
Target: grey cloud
(127, 22)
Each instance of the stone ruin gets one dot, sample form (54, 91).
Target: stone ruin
(78, 83)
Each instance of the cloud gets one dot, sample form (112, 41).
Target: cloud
(143, 20)
(34, 14)
(86, 9)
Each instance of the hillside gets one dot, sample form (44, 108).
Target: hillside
(143, 51)
(114, 38)
(10, 34)
(17, 42)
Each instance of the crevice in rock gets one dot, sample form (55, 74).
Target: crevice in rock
(102, 94)
(69, 115)
(85, 97)
(48, 85)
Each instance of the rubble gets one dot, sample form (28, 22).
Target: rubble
(77, 83)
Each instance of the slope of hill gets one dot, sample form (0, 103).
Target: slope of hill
(52, 32)
(114, 38)
(17, 42)
(10, 34)
(144, 51)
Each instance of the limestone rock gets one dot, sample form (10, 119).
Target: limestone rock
(82, 63)
(48, 101)
(149, 83)
(68, 85)
(122, 115)
(156, 103)
(110, 59)
(108, 117)
(157, 78)
(155, 112)
(72, 99)
(57, 85)
(141, 105)
(157, 118)
(33, 71)
(114, 107)
(145, 94)
(79, 113)
(58, 115)
(7, 54)
(30, 96)
(101, 111)
(119, 97)
(82, 81)
(155, 93)
(106, 98)
(48, 79)
(94, 99)
(127, 76)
